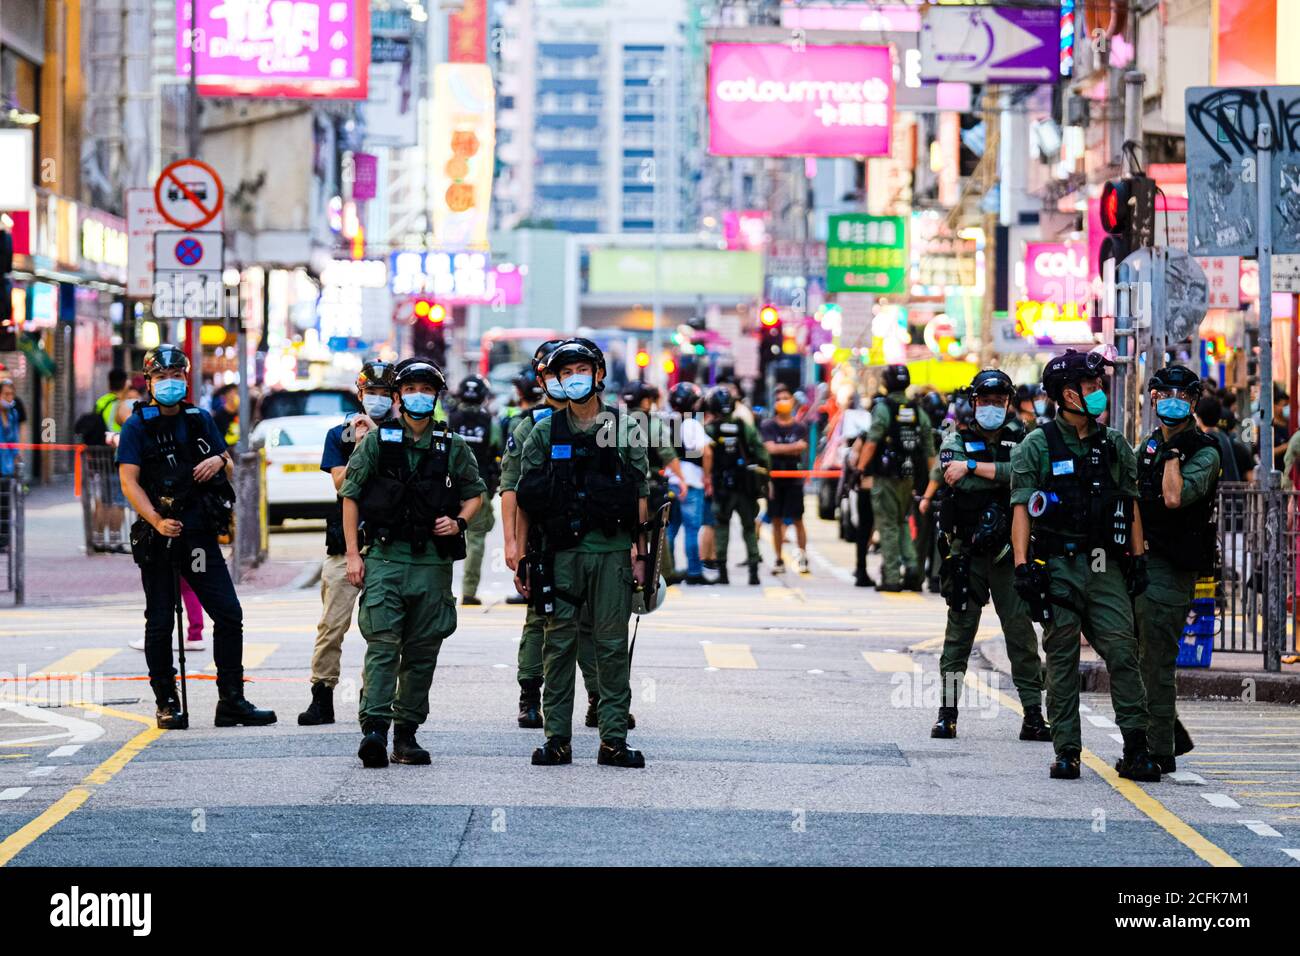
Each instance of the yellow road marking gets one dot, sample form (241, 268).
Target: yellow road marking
(83, 661)
(26, 835)
(1156, 811)
(936, 643)
(781, 594)
(255, 655)
(13, 756)
(736, 656)
(890, 663)
(1268, 793)
(1281, 806)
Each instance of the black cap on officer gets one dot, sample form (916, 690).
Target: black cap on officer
(1069, 369)
(993, 381)
(896, 378)
(684, 397)
(375, 374)
(164, 357)
(720, 401)
(419, 370)
(472, 390)
(1177, 378)
(528, 386)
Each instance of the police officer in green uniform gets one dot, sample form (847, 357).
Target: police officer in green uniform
(582, 490)
(482, 432)
(1178, 474)
(1080, 558)
(899, 446)
(665, 457)
(975, 521)
(740, 466)
(550, 396)
(416, 486)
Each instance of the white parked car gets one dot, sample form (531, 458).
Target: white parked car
(295, 485)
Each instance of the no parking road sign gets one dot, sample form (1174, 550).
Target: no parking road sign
(189, 194)
(187, 251)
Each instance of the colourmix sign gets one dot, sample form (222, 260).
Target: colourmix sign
(778, 99)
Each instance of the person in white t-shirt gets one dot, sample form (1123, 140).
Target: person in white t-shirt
(695, 453)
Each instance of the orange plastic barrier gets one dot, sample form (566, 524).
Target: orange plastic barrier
(76, 462)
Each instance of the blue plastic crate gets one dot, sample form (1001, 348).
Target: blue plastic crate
(1200, 626)
(1195, 650)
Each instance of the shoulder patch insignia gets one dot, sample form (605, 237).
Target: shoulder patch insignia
(511, 445)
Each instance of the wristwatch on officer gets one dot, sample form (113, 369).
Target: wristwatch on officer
(461, 523)
(971, 465)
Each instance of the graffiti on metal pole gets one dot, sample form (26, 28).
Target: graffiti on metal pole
(1222, 131)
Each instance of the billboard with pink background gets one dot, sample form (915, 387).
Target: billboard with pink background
(779, 99)
(1057, 272)
(290, 48)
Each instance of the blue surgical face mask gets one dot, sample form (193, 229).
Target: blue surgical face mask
(1040, 406)
(376, 406)
(1172, 411)
(169, 391)
(556, 390)
(1095, 403)
(577, 388)
(990, 417)
(418, 404)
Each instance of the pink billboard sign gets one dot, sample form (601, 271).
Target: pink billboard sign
(850, 16)
(1057, 272)
(745, 229)
(776, 99)
(288, 48)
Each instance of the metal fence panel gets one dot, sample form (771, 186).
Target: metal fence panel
(1259, 543)
(107, 516)
(12, 552)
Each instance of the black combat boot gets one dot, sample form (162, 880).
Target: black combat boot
(374, 745)
(1182, 739)
(616, 753)
(753, 574)
(1166, 764)
(912, 580)
(469, 600)
(722, 572)
(945, 728)
(169, 714)
(1065, 766)
(1033, 727)
(862, 579)
(885, 588)
(234, 709)
(321, 708)
(405, 747)
(1136, 763)
(553, 753)
(530, 703)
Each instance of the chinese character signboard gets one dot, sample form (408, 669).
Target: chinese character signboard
(462, 144)
(772, 99)
(1223, 281)
(867, 254)
(287, 48)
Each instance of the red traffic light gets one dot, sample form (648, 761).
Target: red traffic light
(769, 316)
(1115, 198)
(435, 313)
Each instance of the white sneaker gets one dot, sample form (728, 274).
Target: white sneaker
(137, 644)
(199, 645)
(803, 563)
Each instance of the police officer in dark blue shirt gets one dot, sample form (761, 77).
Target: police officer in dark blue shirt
(175, 471)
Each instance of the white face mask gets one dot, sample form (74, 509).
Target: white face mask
(376, 406)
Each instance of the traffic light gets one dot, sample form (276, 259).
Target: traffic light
(770, 334)
(427, 310)
(430, 328)
(1128, 217)
(642, 358)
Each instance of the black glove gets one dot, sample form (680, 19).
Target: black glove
(1137, 576)
(1033, 583)
(1025, 582)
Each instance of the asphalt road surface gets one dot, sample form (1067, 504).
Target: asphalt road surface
(782, 724)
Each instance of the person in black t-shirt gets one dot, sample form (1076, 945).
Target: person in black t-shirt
(786, 441)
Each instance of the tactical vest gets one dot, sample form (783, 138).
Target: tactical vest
(1186, 537)
(732, 457)
(985, 513)
(173, 446)
(583, 486)
(1080, 506)
(899, 454)
(475, 426)
(400, 503)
